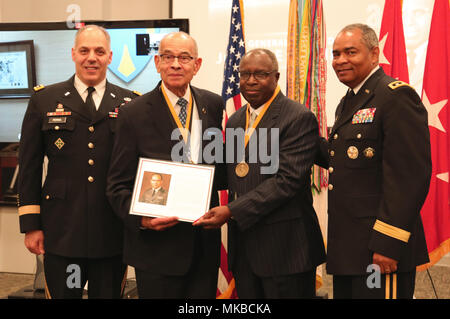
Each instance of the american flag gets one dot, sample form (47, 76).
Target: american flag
(231, 94)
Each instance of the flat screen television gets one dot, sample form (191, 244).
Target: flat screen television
(40, 54)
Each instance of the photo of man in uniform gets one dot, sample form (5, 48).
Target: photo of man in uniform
(156, 194)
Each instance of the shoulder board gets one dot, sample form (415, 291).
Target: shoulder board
(38, 88)
(396, 84)
(137, 93)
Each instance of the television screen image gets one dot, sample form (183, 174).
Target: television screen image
(17, 71)
(133, 43)
(13, 70)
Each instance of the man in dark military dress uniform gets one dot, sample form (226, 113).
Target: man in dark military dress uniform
(379, 173)
(69, 219)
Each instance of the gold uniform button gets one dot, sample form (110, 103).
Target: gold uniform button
(335, 136)
(358, 136)
(330, 187)
(56, 128)
(91, 145)
(331, 153)
(91, 162)
(331, 169)
(90, 179)
(91, 129)
(47, 197)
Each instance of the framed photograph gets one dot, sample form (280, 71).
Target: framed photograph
(17, 69)
(166, 189)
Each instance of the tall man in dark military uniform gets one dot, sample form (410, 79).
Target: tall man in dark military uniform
(69, 219)
(379, 168)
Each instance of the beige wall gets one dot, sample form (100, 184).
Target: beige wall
(56, 10)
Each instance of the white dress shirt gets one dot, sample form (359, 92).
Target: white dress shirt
(196, 125)
(97, 95)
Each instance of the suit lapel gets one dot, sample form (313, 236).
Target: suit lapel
(202, 112)
(272, 113)
(268, 121)
(110, 99)
(160, 114)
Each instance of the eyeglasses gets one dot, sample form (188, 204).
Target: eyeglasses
(169, 58)
(259, 75)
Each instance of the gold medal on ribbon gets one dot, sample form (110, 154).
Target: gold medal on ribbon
(242, 169)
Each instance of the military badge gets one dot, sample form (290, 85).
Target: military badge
(59, 143)
(352, 152)
(364, 116)
(369, 152)
(113, 114)
(59, 111)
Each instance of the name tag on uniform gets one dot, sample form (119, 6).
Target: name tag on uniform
(57, 120)
(364, 116)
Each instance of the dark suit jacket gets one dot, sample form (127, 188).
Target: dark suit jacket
(274, 221)
(374, 198)
(144, 129)
(73, 211)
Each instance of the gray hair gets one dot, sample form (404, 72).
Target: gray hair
(269, 53)
(181, 34)
(95, 27)
(369, 37)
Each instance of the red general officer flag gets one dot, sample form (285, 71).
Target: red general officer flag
(435, 97)
(392, 42)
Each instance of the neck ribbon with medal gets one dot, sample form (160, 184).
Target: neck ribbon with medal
(242, 168)
(184, 130)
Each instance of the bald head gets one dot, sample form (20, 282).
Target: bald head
(260, 51)
(180, 35)
(93, 28)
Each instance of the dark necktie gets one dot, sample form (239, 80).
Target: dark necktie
(347, 105)
(90, 105)
(183, 117)
(183, 114)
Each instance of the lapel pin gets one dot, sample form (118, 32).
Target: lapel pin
(67, 93)
(204, 110)
(113, 95)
